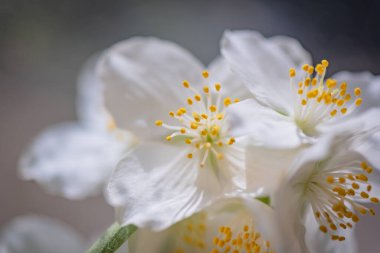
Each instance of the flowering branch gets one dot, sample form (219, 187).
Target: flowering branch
(112, 239)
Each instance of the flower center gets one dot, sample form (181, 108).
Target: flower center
(202, 122)
(245, 240)
(334, 197)
(318, 100)
(235, 238)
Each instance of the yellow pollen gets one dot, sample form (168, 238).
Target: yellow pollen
(305, 67)
(358, 101)
(189, 101)
(206, 89)
(292, 72)
(190, 155)
(168, 138)
(311, 70)
(158, 122)
(325, 63)
(205, 74)
(357, 91)
(183, 130)
(186, 84)
(231, 141)
(227, 101)
(197, 97)
(217, 86)
(213, 108)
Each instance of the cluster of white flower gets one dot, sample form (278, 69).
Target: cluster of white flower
(259, 152)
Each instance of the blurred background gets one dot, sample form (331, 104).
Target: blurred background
(43, 44)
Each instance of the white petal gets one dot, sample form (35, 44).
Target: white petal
(263, 64)
(220, 72)
(369, 84)
(34, 234)
(265, 126)
(72, 160)
(267, 168)
(156, 185)
(143, 82)
(90, 107)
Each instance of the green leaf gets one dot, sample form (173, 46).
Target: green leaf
(264, 199)
(112, 239)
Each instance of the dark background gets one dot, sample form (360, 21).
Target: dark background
(44, 43)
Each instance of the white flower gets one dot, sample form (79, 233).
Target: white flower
(35, 234)
(296, 102)
(155, 89)
(328, 184)
(75, 159)
(228, 225)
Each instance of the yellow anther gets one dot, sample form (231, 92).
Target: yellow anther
(220, 156)
(307, 81)
(292, 72)
(158, 122)
(355, 186)
(220, 116)
(343, 85)
(205, 74)
(323, 229)
(220, 144)
(193, 125)
(231, 141)
(206, 89)
(330, 179)
(300, 91)
(190, 155)
(188, 141)
(333, 112)
(189, 101)
(213, 108)
(215, 130)
(204, 116)
(172, 114)
(236, 100)
(331, 83)
(168, 138)
(347, 97)
(208, 145)
(227, 101)
(186, 84)
(311, 70)
(358, 101)
(303, 102)
(325, 63)
(197, 97)
(320, 69)
(218, 86)
(183, 130)
(364, 195)
(340, 103)
(204, 132)
(357, 91)
(305, 67)
(314, 81)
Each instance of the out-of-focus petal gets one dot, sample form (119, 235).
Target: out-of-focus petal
(72, 160)
(143, 79)
(34, 234)
(263, 65)
(90, 108)
(234, 213)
